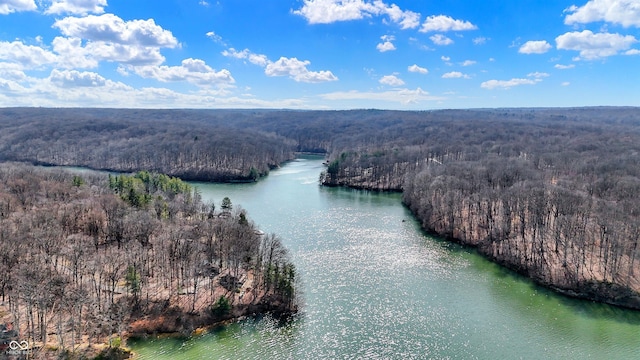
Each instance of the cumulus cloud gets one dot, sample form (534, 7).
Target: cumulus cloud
(330, 11)
(507, 84)
(468, 63)
(256, 59)
(10, 6)
(387, 44)
(417, 69)
(297, 70)
(632, 52)
(80, 7)
(74, 78)
(195, 71)
(623, 12)
(28, 56)
(107, 37)
(391, 80)
(455, 75)
(291, 67)
(12, 71)
(110, 28)
(594, 46)
(535, 47)
(71, 53)
(440, 39)
(443, 23)
(564, 67)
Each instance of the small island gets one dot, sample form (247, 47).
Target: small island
(90, 261)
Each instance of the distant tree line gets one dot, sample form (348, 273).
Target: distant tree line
(129, 140)
(84, 258)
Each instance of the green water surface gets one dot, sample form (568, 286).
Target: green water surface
(376, 287)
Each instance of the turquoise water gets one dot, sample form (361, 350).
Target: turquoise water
(376, 287)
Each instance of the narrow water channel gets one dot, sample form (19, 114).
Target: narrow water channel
(376, 287)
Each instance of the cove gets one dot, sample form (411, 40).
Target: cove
(376, 287)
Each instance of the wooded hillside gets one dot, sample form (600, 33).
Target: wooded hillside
(168, 142)
(551, 193)
(87, 259)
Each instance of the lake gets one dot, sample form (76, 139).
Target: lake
(374, 286)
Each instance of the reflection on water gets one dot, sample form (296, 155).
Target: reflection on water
(375, 287)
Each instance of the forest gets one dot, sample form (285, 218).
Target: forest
(91, 259)
(550, 193)
(130, 140)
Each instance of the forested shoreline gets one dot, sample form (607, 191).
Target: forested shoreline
(92, 259)
(550, 193)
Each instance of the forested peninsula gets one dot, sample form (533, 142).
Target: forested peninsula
(549, 193)
(89, 260)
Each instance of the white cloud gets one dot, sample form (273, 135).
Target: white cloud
(537, 75)
(126, 54)
(455, 75)
(632, 52)
(110, 28)
(107, 37)
(387, 44)
(566, 83)
(623, 12)
(291, 67)
(256, 59)
(468, 63)
(28, 56)
(71, 54)
(445, 23)
(69, 88)
(445, 58)
(10, 6)
(12, 71)
(507, 84)
(297, 70)
(535, 47)
(74, 78)
(480, 40)
(215, 37)
(203, 3)
(80, 7)
(440, 39)
(417, 69)
(391, 80)
(564, 67)
(594, 46)
(195, 71)
(402, 96)
(405, 18)
(330, 11)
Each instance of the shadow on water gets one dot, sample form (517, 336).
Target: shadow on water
(508, 279)
(519, 287)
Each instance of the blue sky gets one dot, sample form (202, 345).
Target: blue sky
(319, 54)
